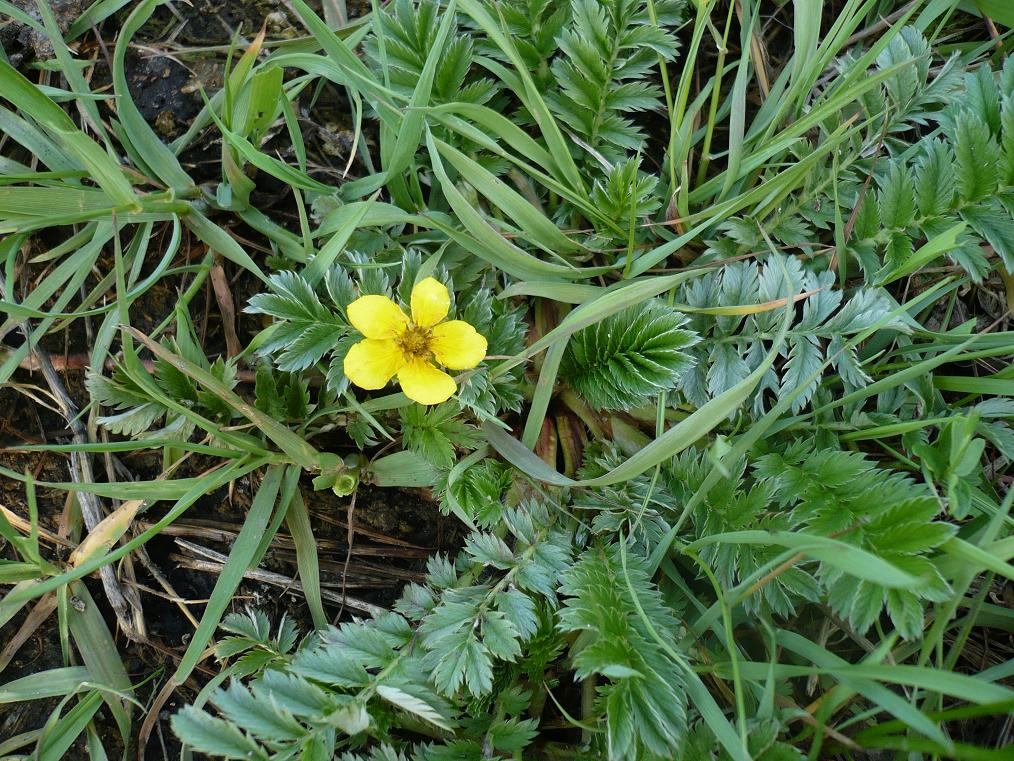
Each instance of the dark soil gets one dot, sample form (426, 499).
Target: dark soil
(40, 653)
(22, 43)
(165, 92)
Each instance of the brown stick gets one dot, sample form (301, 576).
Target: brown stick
(808, 719)
(23, 525)
(226, 532)
(879, 26)
(216, 560)
(83, 362)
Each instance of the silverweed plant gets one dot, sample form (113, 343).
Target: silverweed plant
(597, 379)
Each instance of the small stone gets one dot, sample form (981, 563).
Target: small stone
(165, 123)
(279, 26)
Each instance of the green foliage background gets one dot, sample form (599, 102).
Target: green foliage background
(734, 479)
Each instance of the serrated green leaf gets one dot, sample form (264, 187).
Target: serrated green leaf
(897, 197)
(934, 178)
(624, 360)
(329, 666)
(976, 169)
(489, 549)
(263, 719)
(413, 705)
(207, 734)
(500, 636)
(519, 610)
(464, 662)
(993, 222)
(291, 693)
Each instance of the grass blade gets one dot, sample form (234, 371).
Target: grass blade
(243, 552)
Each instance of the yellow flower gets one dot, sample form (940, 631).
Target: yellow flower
(396, 345)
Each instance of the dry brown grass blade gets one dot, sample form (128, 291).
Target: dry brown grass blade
(38, 615)
(803, 715)
(83, 361)
(758, 54)
(226, 532)
(377, 536)
(108, 531)
(227, 307)
(21, 524)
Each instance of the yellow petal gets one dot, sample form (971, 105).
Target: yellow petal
(377, 317)
(430, 302)
(370, 364)
(457, 345)
(424, 383)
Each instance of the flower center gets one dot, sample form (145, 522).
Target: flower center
(415, 342)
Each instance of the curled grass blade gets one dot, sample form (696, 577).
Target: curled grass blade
(163, 163)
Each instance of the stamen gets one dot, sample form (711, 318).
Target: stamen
(415, 342)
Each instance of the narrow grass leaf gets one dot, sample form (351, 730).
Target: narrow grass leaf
(44, 684)
(58, 738)
(853, 560)
(978, 558)
(243, 550)
(145, 142)
(99, 652)
(297, 519)
(535, 225)
(102, 167)
(666, 446)
(219, 240)
(195, 489)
